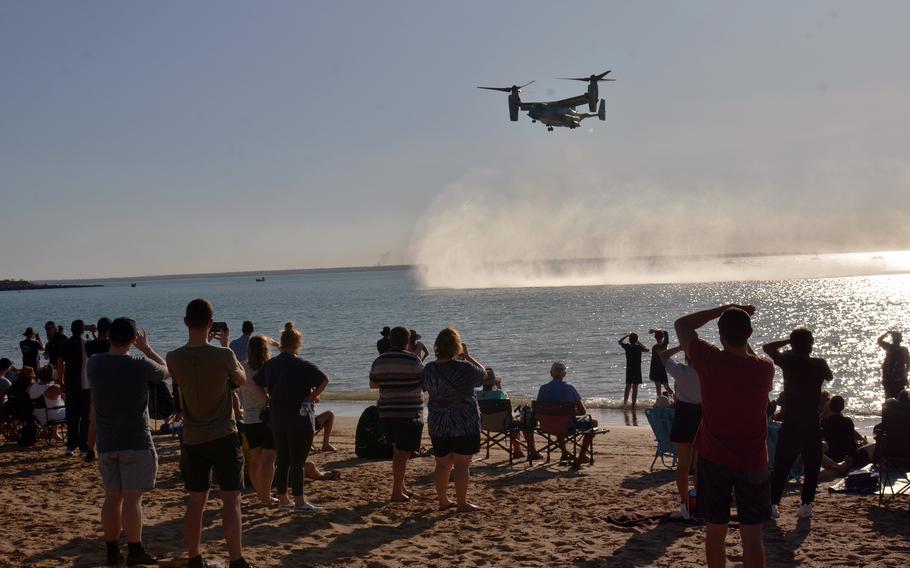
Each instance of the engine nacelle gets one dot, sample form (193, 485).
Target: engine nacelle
(602, 111)
(514, 107)
(592, 96)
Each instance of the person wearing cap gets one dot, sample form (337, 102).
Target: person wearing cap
(558, 390)
(31, 346)
(383, 345)
(492, 390)
(732, 440)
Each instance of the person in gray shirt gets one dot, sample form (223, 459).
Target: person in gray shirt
(126, 454)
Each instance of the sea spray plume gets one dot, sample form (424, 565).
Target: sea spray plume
(489, 231)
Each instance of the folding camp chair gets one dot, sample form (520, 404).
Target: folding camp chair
(496, 425)
(661, 421)
(558, 425)
(892, 451)
(45, 429)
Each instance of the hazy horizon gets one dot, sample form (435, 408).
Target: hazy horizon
(174, 138)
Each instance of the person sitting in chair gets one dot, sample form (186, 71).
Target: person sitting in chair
(54, 409)
(492, 390)
(558, 390)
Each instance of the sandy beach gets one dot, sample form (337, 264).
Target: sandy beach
(545, 515)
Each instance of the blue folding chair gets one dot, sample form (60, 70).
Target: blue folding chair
(661, 421)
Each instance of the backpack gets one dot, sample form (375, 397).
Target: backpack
(28, 435)
(370, 441)
(161, 402)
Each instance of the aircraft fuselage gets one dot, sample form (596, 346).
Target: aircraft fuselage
(556, 115)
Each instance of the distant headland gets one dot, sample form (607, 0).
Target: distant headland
(19, 285)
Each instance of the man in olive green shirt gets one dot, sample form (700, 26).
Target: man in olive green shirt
(207, 375)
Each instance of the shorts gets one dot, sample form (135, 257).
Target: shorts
(717, 483)
(686, 420)
(463, 445)
(404, 433)
(224, 455)
(633, 379)
(129, 470)
(259, 436)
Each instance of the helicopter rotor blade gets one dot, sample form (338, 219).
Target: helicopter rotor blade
(585, 79)
(525, 85)
(503, 89)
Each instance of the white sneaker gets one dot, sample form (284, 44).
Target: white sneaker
(70, 453)
(775, 512)
(682, 513)
(805, 512)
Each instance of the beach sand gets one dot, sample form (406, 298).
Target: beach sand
(545, 515)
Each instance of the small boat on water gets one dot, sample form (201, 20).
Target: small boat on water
(132, 284)
(260, 279)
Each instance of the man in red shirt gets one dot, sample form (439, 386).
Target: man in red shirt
(732, 441)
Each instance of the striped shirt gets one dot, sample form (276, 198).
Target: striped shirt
(398, 373)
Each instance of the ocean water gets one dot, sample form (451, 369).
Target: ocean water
(517, 331)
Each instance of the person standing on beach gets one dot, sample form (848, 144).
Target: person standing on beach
(100, 344)
(732, 441)
(801, 431)
(31, 347)
(383, 344)
(633, 350)
(239, 346)
(656, 372)
(207, 376)
(128, 462)
(454, 417)
(293, 384)
(417, 347)
(258, 433)
(686, 420)
(55, 339)
(396, 373)
(896, 365)
(71, 365)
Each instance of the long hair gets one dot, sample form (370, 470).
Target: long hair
(258, 352)
(448, 344)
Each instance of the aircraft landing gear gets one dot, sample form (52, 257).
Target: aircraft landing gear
(549, 129)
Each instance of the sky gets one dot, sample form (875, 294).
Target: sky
(141, 138)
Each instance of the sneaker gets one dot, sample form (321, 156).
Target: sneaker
(682, 513)
(307, 507)
(239, 563)
(141, 559)
(90, 456)
(69, 453)
(805, 512)
(775, 512)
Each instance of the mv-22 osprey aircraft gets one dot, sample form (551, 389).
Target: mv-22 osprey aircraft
(558, 113)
